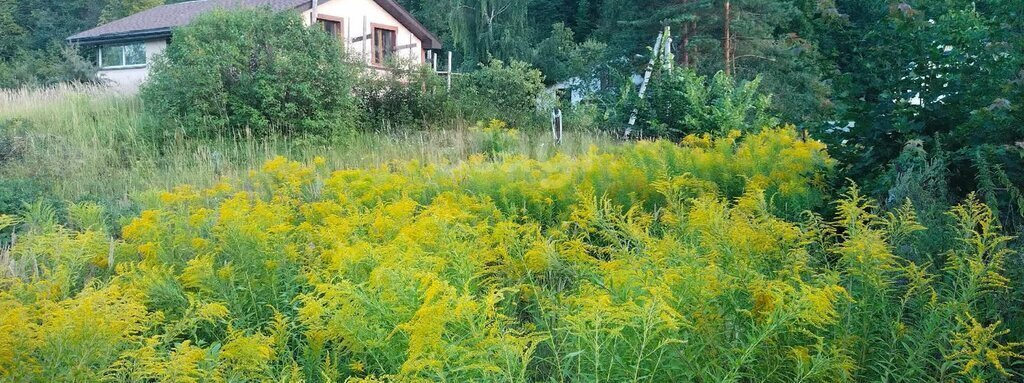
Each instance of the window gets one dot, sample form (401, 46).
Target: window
(118, 56)
(332, 27)
(384, 39)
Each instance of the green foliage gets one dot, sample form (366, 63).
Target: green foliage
(416, 97)
(682, 103)
(32, 49)
(560, 57)
(496, 137)
(946, 306)
(254, 71)
(479, 30)
(404, 97)
(945, 73)
(922, 180)
(116, 9)
(500, 91)
(16, 192)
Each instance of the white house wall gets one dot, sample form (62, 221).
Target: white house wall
(355, 13)
(359, 16)
(129, 79)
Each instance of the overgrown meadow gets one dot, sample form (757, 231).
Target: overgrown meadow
(505, 259)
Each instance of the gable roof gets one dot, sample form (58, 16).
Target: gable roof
(158, 22)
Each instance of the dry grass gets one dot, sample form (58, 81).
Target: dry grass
(21, 100)
(88, 143)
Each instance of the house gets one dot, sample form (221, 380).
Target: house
(374, 30)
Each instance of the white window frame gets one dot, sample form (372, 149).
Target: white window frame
(124, 56)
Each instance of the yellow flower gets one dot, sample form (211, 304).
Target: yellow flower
(213, 311)
(357, 366)
(147, 249)
(248, 353)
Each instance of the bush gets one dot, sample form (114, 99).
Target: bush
(406, 96)
(252, 69)
(496, 137)
(15, 193)
(500, 91)
(681, 103)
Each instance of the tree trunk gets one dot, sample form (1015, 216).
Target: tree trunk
(688, 30)
(727, 39)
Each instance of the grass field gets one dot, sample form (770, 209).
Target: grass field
(87, 143)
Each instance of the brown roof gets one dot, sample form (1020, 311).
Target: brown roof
(159, 21)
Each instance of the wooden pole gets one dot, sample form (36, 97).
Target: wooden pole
(348, 35)
(363, 52)
(314, 14)
(727, 42)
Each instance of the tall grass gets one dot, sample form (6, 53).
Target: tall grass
(90, 143)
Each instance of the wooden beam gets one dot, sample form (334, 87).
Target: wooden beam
(361, 38)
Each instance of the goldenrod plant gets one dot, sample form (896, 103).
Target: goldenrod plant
(648, 262)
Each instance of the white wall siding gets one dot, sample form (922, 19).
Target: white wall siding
(129, 79)
(354, 12)
(357, 15)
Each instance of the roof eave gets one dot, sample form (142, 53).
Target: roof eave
(430, 41)
(110, 38)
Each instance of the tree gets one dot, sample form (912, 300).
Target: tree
(251, 69)
(945, 73)
(11, 31)
(116, 9)
(560, 57)
(480, 30)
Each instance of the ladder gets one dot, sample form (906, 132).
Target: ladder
(662, 49)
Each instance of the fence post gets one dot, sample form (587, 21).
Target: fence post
(348, 35)
(556, 125)
(314, 13)
(449, 71)
(363, 52)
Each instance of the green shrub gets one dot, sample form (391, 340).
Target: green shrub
(16, 192)
(921, 179)
(252, 69)
(496, 137)
(407, 96)
(561, 58)
(500, 91)
(681, 103)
